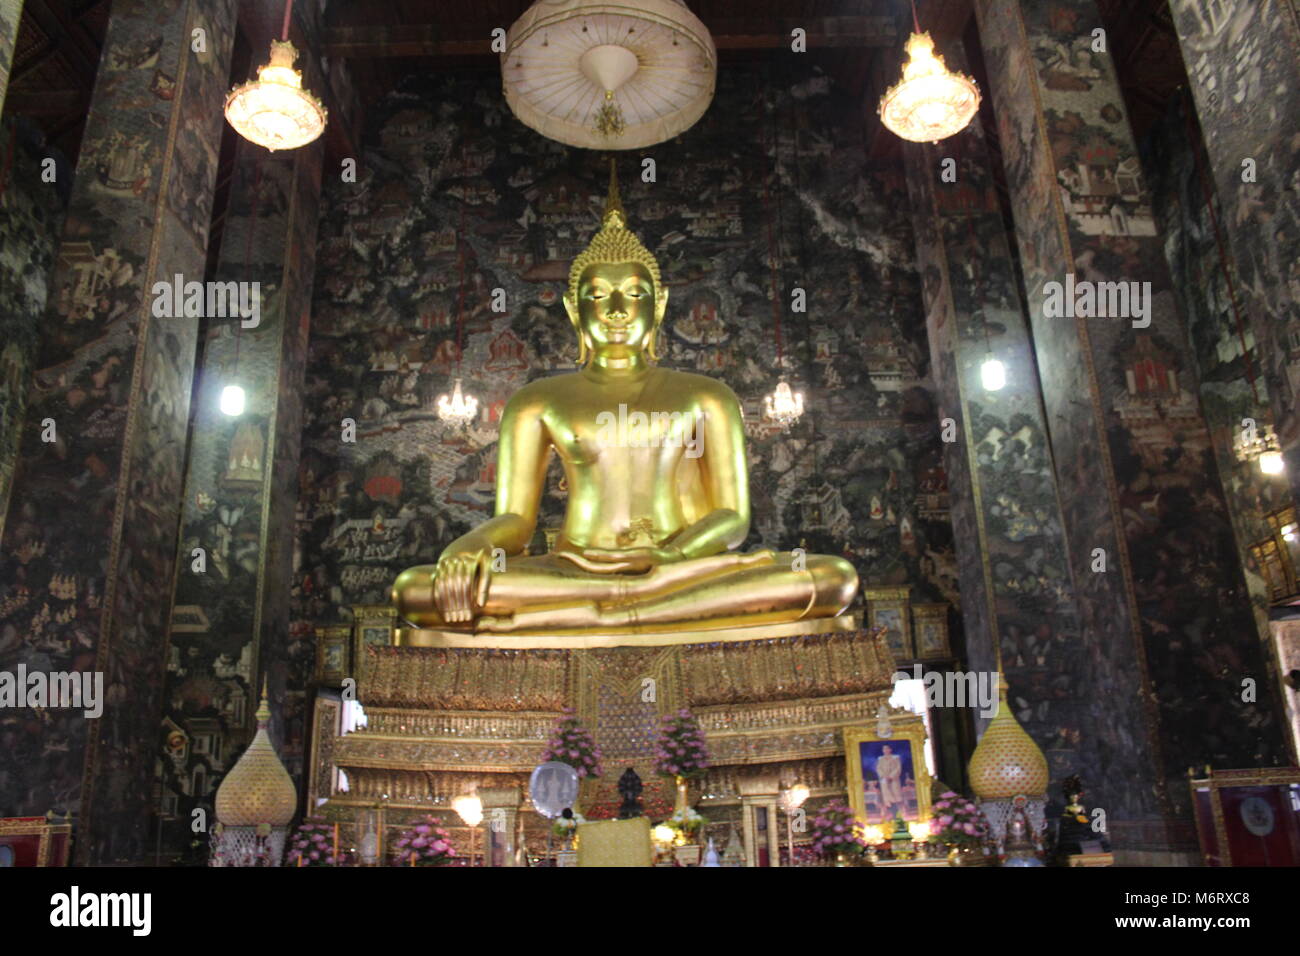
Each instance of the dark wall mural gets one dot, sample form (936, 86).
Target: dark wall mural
(1233, 384)
(1019, 610)
(450, 172)
(1242, 69)
(1122, 399)
(89, 543)
(31, 217)
(229, 626)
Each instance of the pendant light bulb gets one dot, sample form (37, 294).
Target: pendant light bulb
(993, 374)
(232, 401)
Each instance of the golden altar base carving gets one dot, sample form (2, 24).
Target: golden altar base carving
(446, 719)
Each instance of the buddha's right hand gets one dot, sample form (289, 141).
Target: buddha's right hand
(460, 584)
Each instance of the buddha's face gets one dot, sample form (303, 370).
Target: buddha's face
(617, 307)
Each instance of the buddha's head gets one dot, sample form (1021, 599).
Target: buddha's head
(616, 299)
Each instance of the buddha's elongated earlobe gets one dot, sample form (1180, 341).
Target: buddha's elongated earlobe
(652, 341)
(571, 308)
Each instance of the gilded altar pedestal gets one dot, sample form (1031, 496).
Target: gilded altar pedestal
(449, 712)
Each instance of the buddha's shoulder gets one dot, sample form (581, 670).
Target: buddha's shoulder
(541, 391)
(701, 386)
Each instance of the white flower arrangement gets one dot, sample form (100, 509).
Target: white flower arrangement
(686, 820)
(564, 826)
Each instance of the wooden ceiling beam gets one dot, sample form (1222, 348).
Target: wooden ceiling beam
(382, 41)
(33, 103)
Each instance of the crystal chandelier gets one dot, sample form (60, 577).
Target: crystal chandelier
(457, 408)
(1258, 442)
(930, 103)
(274, 110)
(783, 406)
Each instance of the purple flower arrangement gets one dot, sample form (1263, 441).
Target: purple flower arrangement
(424, 844)
(680, 751)
(313, 842)
(956, 820)
(572, 743)
(835, 830)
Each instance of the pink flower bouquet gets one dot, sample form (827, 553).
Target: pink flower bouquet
(954, 820)
(572, 744)
(680, 750)
(423, 844)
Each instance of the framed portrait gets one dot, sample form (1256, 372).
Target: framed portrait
(35, 841)
(887, 775)
(373, 627)
(332, 654)
(930, 631)
(888, 608)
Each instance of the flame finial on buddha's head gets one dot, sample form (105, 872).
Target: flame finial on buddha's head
(613, 243)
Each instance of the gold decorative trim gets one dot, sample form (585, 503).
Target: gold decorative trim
(325, 734)
(426, 637)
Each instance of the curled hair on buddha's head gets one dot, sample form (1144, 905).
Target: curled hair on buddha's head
(615, 243)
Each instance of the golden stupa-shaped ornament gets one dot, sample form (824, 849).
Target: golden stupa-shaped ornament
(1007, 762)
(258, 790)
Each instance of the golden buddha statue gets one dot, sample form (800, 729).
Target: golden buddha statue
(658, 489)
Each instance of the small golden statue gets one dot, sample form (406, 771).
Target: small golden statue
(657, 480)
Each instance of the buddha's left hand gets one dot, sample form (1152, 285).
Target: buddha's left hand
(629, 561)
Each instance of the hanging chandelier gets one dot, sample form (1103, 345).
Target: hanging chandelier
(609, 75)
(783, 406)
(274, 110)
(457, 408)
(1259, 443)
(931, 102)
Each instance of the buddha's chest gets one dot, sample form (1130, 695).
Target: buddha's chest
(650, 435)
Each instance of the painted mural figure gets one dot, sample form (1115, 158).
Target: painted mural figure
(655, 505)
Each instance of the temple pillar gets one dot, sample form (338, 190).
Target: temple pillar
(1233, 389)
(1160, 592)
(230, 612)
(1017, 585)
(500, 813)
(758, 818)
(89, 546)
(11, 12)
(1243, 71)
(31, 217)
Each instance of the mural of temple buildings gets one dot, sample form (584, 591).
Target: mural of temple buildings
(302, 488)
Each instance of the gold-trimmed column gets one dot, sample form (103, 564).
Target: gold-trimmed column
(1005, 502)
(11, 13)
(1157, 579)
(241, 479)
(1243, 68)
(90, 544)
